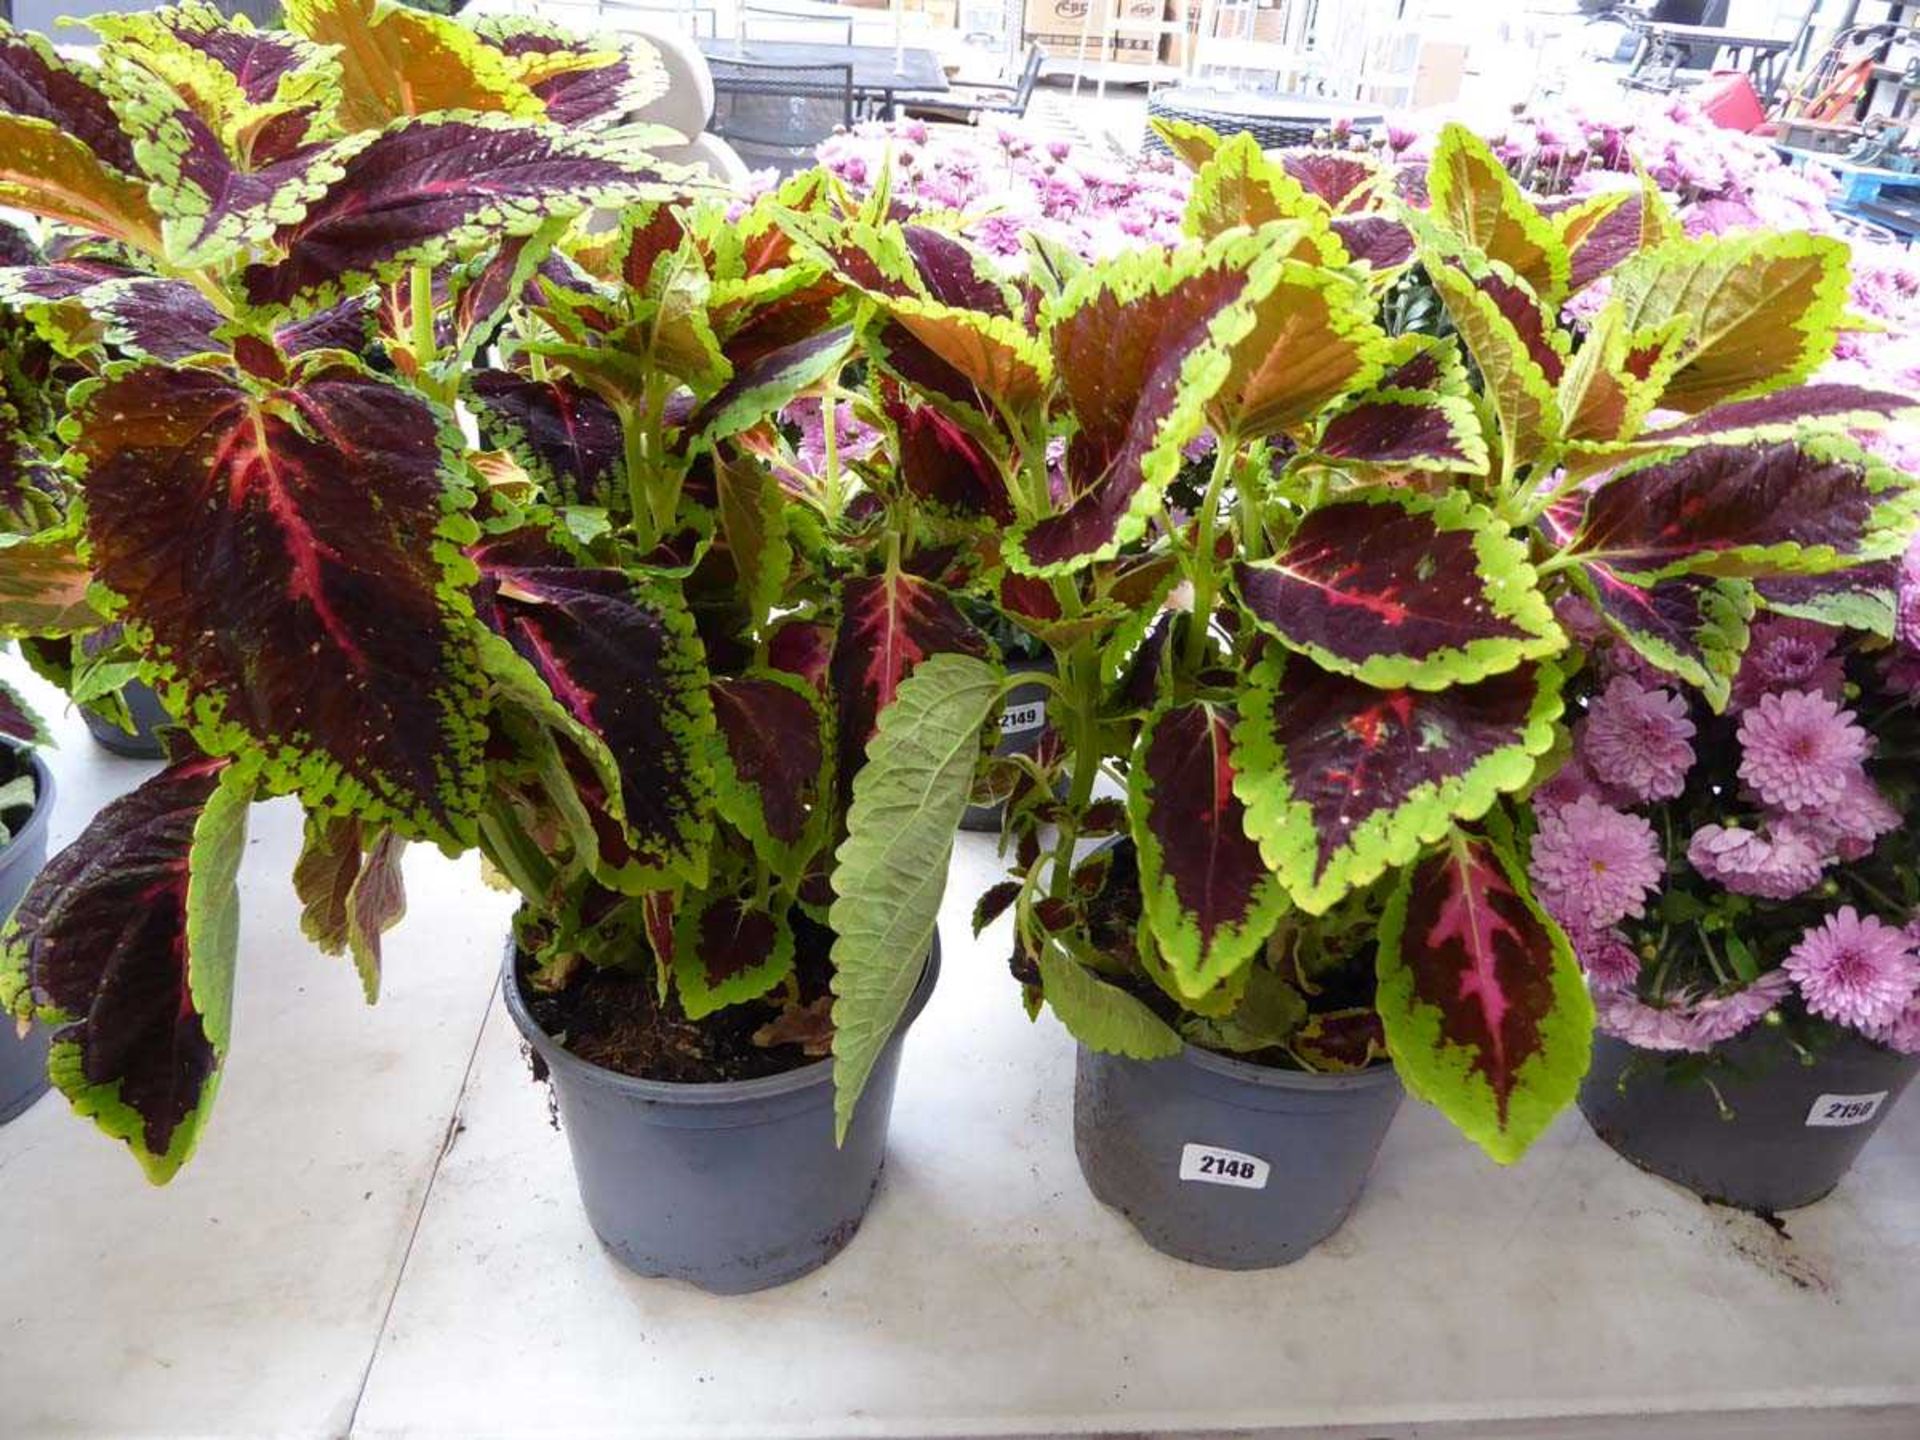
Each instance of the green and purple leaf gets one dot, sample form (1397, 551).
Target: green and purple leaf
(1397, 589)
(1746, 510)
(428, 190)
(124, 946)
(771, 764)
(622, 658)
(293, 556)
(1486, 1011)
(1206, 894)
(1343, 781)
(1394, 429)
(565, 436)
(1140, 346)
(17, 719)
(889, 625)
(727, 951)
(945, 468)
(351, 891)
(1860, 597)
(1691, 626)
(37, 84)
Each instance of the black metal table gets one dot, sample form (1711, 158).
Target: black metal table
(1275, 121)
(874, 75)
(1665, 50)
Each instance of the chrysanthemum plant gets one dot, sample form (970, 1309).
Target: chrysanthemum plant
(1325, 661)
(424, 458)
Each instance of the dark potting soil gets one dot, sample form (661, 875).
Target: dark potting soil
(612, 1017)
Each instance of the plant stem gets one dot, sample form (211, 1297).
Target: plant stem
(420, 308)
(1203, 569)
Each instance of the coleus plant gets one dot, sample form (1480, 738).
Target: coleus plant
(1301, 570)
(601, 645)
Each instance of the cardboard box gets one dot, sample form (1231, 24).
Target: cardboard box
(1054, 25)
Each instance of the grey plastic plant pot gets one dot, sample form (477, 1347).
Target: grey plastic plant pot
(1023, 720)
(1223, 1163)
(23, 1059)
(1794, 1130)
(735, 1186)
(148, 716)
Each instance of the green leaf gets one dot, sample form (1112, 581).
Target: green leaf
(1269, 1013)
(892, 867)
(1472, 194)
(1101, 1016)
(1765, 309)
(1522, 394)
(753, 522)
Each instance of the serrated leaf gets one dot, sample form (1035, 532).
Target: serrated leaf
(1486, 1010)
(1471, 193)
(772, 381)
(37, 84)
(1746, 510)
(771, 774)
(18, 721)
(622, 657)
(727, 951)
(351, 891)
(426, 191)
(397, 62)
(1394, 429)
(1691, 627)
(1141, 345)
(1100, 1016)
(1205, 891)
(993, 903)
(125, 947)
(1860, 597)
(1342, 782)
(891, 869)
(266, 538)
(1398, 589)
(564, 436)
(1522, 394)
(1764, 309)
(890, 624)
(47, 172)
(1313, 339)
(620, 75)
(1238, 185)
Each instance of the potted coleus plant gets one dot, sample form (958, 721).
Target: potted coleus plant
(617, 647)
(1326, 673)
(1741, 889)
(26, 803)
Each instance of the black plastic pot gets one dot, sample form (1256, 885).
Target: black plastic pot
(148, 716)
(734, 1186)
(1794, 1129)
(1023, 720)
(23, 1060)
(1224, 1163)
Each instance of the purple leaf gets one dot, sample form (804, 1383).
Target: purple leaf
(565, 436)
(269, 541)
(1409, 429)
(622, 659)
(1731, 510)
(1376, 240)
(36, 83)
(432, 186)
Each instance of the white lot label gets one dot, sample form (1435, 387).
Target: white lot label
(1210, 1165)
(1845, 1109)
(1030, 715)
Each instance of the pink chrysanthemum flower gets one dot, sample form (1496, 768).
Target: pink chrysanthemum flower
(1640, 739)
(1625, 1016)
(1788, 654)
(1855, 970)
(1778, 865)
(1721, 1017)
(1593, 864)
(1798, 750)
(1607, 958)
(1902, 1033)
(1848, 828)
